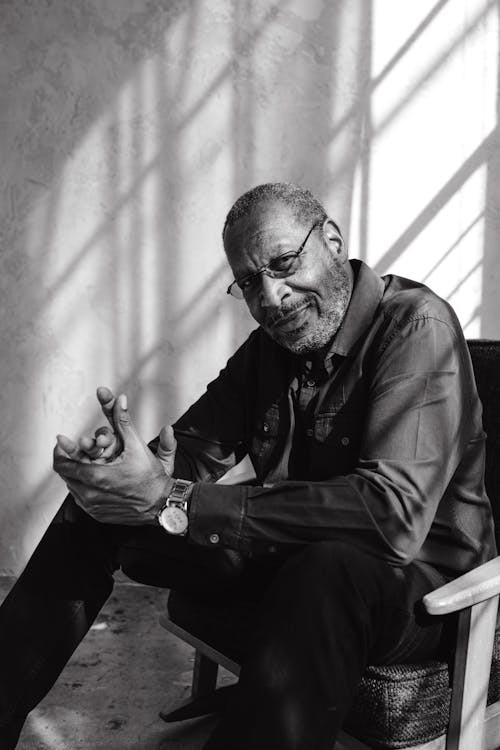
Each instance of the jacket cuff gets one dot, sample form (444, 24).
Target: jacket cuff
(216, 515)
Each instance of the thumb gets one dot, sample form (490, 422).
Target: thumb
(166, 449)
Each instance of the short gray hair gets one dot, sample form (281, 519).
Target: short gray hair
(305, 206)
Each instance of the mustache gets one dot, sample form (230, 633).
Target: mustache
(284, 313)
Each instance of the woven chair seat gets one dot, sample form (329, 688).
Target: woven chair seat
(405, 704)
(395, 707)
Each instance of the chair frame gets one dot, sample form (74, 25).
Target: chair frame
(472, 726)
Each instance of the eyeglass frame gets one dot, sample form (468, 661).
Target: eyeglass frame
(266, 268)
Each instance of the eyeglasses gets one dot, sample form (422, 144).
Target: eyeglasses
(278, 268)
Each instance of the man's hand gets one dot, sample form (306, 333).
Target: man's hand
(126, 484)
(105, 444)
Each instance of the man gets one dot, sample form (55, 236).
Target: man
(355, 401)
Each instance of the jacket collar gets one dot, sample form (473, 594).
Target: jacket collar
(366, 296)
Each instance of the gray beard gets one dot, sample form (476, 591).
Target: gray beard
(327, 325)
(317, 339)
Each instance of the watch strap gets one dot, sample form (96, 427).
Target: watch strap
(179, 494)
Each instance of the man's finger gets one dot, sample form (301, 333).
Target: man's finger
(102, 447)
(107, 401)
(167, 446)
(67, 456)
(95, 452)
(104, 431)
(87, 444)
(67, 446)
(121, 419)
(106, 440)
(107, 443)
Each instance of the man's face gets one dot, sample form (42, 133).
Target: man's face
(301, 312)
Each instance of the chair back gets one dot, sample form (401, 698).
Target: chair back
(485, 356)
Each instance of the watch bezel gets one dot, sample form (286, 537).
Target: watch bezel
(172, 512)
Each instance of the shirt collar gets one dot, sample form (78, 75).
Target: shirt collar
(366, 295)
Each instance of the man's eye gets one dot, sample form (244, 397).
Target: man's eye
(246, 284)
(284, 264)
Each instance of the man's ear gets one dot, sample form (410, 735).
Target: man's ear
(334, 240)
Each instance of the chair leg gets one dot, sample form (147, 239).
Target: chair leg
(204, 675)
(476, 631)
(205, 697)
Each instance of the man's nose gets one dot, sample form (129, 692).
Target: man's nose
(272, 291)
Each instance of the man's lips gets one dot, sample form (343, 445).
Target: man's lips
(290, 320)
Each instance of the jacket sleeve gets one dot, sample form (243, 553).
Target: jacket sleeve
(422, 411)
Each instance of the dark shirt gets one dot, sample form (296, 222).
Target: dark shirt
(381, 444)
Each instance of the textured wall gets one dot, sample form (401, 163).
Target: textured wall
(128, 127)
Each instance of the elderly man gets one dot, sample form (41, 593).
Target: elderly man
(355, 401)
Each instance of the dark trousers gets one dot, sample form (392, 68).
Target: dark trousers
(320, 615)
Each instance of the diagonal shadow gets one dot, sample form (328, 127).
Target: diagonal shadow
(464, 279)
(436, 65)
(452, 247)
(491, 269)
(481, 155)
(373, 83)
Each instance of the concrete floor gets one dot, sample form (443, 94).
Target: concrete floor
(126, 670)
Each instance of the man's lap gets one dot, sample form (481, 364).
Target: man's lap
(149, 555)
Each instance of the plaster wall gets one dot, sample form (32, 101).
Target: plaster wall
(127, 129)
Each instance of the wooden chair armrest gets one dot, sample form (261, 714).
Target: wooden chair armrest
(473, 587)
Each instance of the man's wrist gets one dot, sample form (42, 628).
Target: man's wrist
(173, 513)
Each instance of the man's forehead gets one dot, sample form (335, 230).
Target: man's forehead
(266, 222)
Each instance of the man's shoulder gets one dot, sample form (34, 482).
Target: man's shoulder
(406, 300)
(258, 346)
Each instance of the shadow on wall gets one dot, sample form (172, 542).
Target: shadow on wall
(130, 130)
(490, 307)
(69, 251)
(485, 156)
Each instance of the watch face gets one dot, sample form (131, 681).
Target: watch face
(173, 520)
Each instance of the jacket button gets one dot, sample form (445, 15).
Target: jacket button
(266, 427)
(345, 441)
(214, 538)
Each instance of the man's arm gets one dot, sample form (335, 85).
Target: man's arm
(116, 478)
(422, 413)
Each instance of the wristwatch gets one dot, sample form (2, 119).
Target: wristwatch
(173, 515)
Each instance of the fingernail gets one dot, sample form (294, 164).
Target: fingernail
(123, 401)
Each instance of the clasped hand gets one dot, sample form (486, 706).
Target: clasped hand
(115, 477)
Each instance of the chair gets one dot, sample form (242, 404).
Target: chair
(428, 706)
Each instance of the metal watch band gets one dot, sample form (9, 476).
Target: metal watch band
(179, 494)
